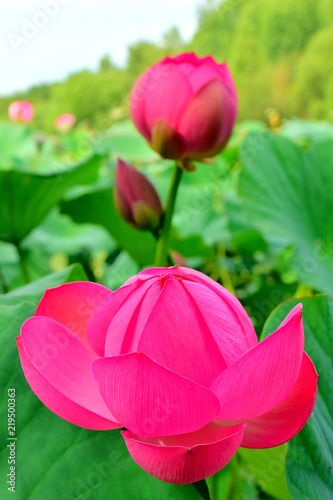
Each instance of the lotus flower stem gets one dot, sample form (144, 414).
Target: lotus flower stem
(24, 269)
(5, 287)
(201, 487)
(162, 244)
(234, 489)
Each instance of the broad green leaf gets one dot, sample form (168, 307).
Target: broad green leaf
(199, 209)
(58, 233)
(26, 198)
(268, 469)
(122, 268)
(287, 195)
(263, 301)
(192, 246)
(310, 131)
(54, 459)
(33, 292)
(17, 145)
(309, 465)
(98, 207)
(123, 140)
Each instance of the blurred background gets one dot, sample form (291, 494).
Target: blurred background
(82, 57)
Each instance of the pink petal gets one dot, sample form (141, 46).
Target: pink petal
(151, 400)
(176, 336)
(126, 326)
(59, 404)
(226, 78)
(289, 417)
(160, 101)
(263, 377)
(63, 361)
(186, 458)
(105, 312)
(72, 305)
(137, 103)
(222, 319)
(187, 61)
(190, 275)
(291, 314)
(203, 121)
(201, 78)
(204, 74)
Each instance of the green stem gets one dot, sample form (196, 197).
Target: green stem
(302, 291)
(223, 270)
(4, 286)
(235, 488)
(201, 487)
(162, 244)
(24, 269)
(215, 487)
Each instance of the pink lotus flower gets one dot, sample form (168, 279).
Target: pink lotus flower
(185, 107)
(136, 198)
(64, 122)
(21, 111)
(173, 357)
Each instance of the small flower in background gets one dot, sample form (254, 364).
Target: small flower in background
(273, 118)
(173, 357)
(185, 107)
(21, 111)
(64, 122)
(178, 259)
(135, 198)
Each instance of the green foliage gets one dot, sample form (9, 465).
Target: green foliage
(268, 468)
(310, 453)
(314, 77)
(98, 208)
(279, 53)
(26, 198)
(265, 44)
(286, 195)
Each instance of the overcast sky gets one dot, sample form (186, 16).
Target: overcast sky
(45, 40)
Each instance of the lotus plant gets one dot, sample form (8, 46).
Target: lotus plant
(171, 357)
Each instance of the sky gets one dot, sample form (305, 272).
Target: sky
(45, 40)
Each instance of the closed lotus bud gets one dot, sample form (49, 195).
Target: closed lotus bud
(136, 198)
(21, 111)
(185, 107)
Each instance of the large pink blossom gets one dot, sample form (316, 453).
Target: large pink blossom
(21, 111)
(185, 106)
(173, 357)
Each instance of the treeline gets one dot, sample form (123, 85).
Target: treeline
(280, 53)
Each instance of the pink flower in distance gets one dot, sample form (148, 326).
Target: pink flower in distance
(185, 107)
(21, 111)
(173, 357)
(64, 122)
